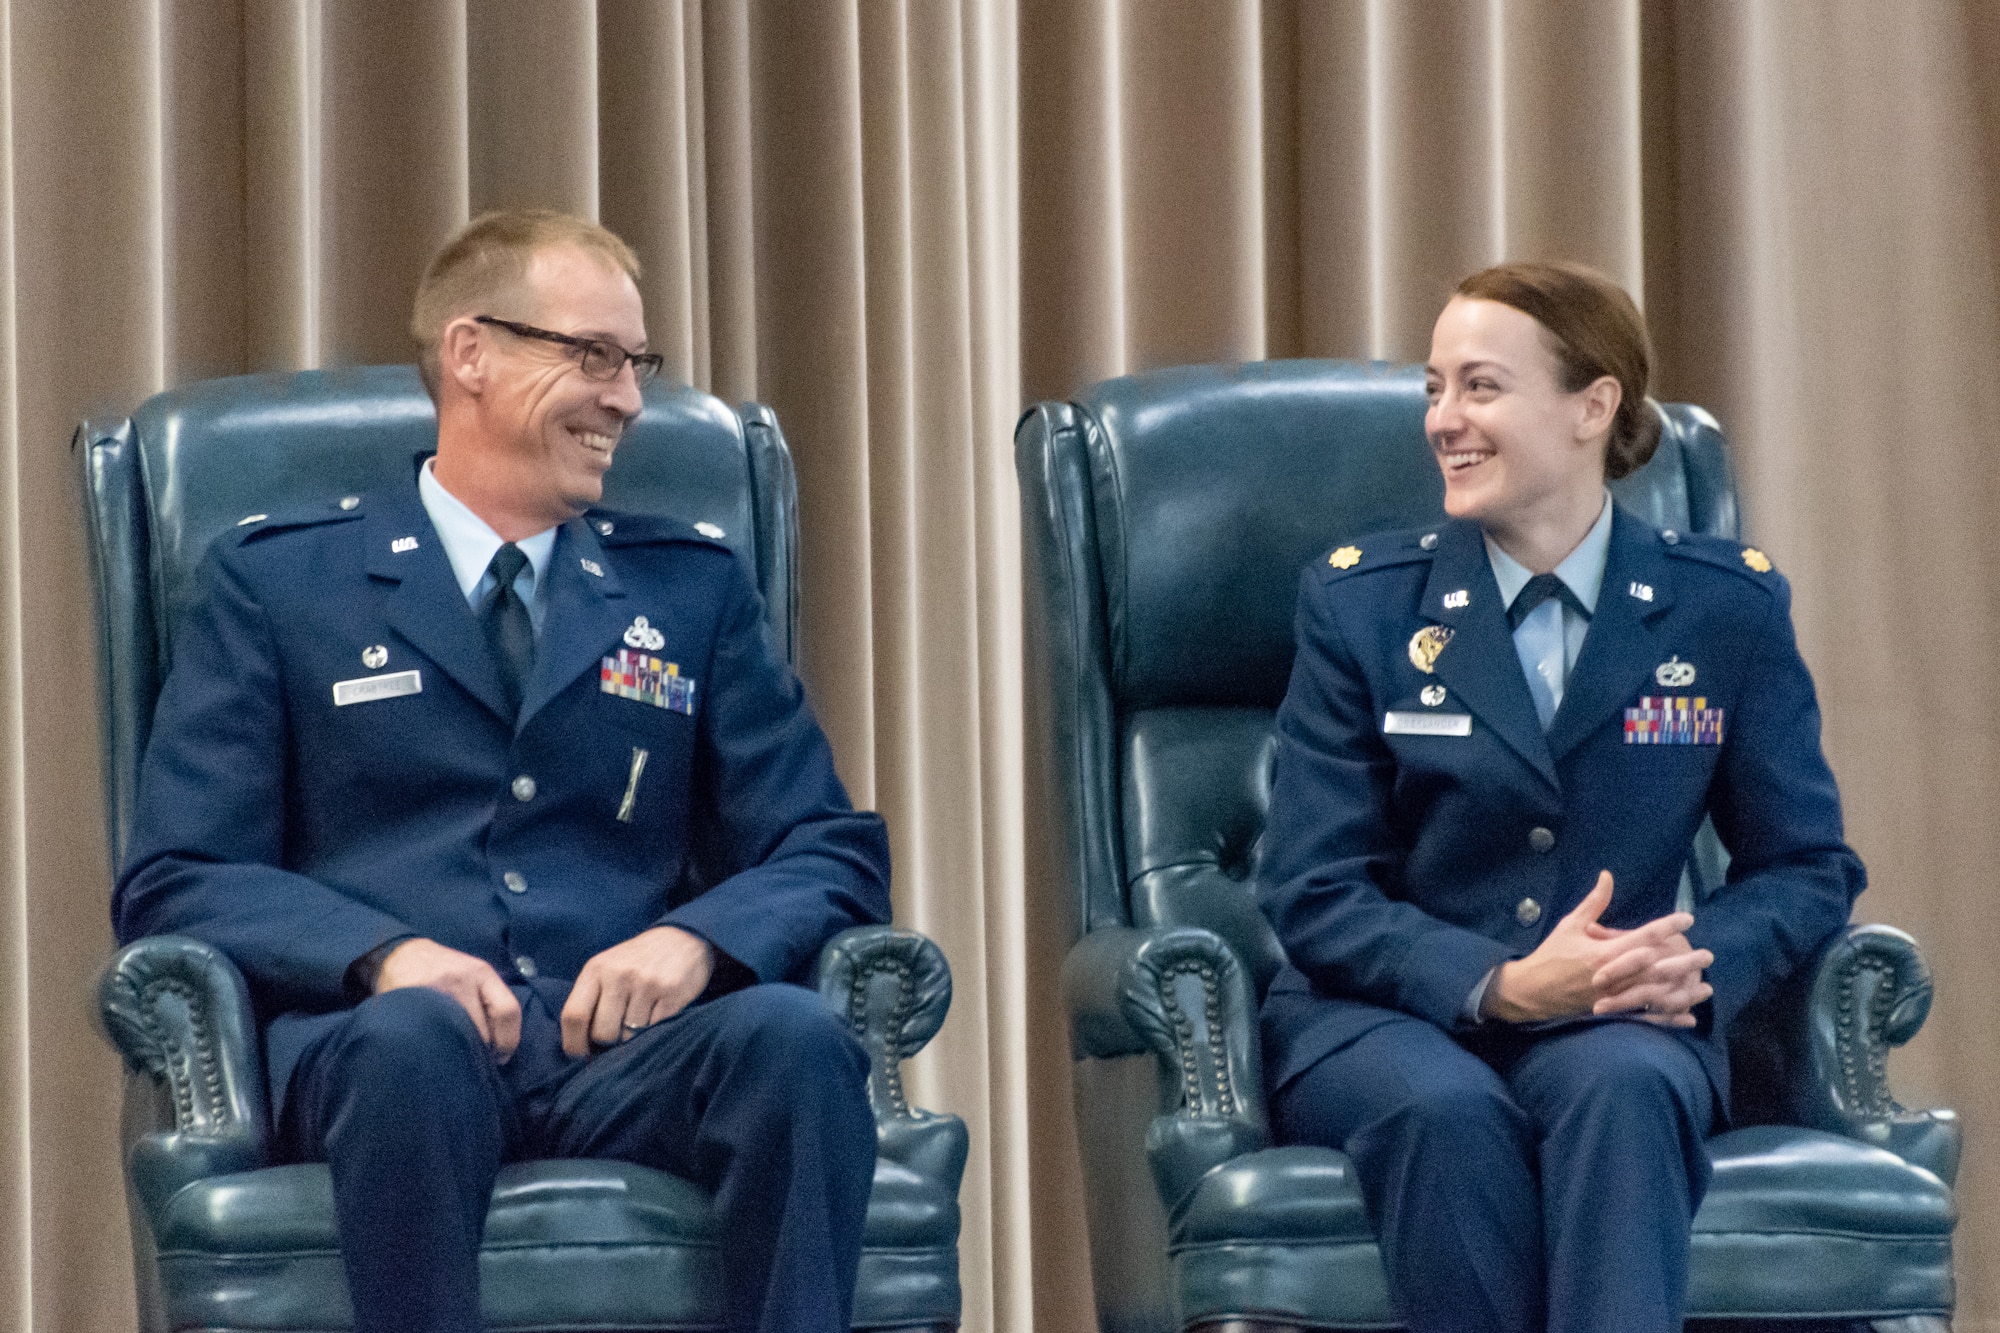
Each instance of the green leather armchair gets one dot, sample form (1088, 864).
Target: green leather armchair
(225, 1240)
(1165, 519)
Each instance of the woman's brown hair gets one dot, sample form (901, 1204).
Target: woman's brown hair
(1595, 330)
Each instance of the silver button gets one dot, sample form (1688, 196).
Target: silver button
(1541, 839)
(604, 527)
(1529, 912)
(515, 881)
(349, 501)
(1429, 541)
(524, 788)
(526, 965)
(1670, 537)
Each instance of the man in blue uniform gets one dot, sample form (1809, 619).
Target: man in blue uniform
(517, 823)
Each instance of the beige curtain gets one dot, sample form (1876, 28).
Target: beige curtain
(898, 220)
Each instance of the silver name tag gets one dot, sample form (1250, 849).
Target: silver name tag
(368, 689)
(1427, 724)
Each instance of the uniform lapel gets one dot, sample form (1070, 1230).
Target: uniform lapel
(1621, 650)
(426, 606)
(584, 615)
(1479, 665)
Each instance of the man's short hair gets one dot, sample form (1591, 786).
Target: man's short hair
(480, 269)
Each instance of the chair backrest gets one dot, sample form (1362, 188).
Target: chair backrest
(191, 463)
(1166, 518)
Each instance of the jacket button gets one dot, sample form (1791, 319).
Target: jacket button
(1541, 839)
(526, 966)
(1529, 912)
(524, 788)
(515, 882)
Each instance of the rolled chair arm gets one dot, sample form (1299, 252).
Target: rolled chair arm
(1182, 994)
(1871, 990)
(894, 989)
(178, 1011)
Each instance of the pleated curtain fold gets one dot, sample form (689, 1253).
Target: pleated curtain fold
(897, 222)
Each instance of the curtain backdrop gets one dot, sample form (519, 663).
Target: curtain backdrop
(897, 221)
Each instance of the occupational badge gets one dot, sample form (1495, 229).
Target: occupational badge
(1757, 560)
(1426, 644)
(643, 635)
(1347, 557)
(1432, 695)
(374, 656)
(1673, 720)
(1674, 673)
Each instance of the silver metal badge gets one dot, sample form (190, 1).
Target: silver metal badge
(402, 544)
(592, 567)
(1432, 695)
(1454, 601)
(643, 635)
(1427, 724)
(1674, 673)
(248, 519)
(370, 688)
(375, 656)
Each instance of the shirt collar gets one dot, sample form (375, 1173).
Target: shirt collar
(1582, 570)
(468, 542)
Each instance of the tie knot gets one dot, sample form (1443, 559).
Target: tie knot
(1538, 590)
(507, 564)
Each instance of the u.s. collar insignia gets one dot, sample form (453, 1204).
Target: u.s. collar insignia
(643, 635)
(1458, 600)
(1347, 557)
(1674, 673)
(1426, 644)
(1757, 560)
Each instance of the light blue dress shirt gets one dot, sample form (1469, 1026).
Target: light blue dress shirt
(1551, 636)
(1549, 639)
(469, 544)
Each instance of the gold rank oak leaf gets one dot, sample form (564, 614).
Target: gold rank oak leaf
(1347, 557)
(1757, 560)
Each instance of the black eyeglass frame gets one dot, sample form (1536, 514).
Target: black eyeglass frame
(645, 365)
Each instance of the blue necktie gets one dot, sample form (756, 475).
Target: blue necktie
(509, 631)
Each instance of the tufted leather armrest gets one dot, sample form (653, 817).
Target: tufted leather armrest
(1871, 990)
(894, 988)
(177, 1009)
(1182, 994)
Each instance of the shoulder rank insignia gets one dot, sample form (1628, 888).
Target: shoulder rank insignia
(1426, 644)
(1347, 557)
(1757, 560)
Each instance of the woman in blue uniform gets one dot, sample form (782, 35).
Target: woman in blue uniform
(1500, 737)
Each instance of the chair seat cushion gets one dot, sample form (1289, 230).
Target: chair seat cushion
(590, 1243)
(1283, 1234)
(1873, 1231)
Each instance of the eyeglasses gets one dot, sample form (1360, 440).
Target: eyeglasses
(601, 360)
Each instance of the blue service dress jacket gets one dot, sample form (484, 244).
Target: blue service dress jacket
(1424, 828)
(331, 766)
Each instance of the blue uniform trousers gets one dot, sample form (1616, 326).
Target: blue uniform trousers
(1519, 1181)
(759, 1095)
